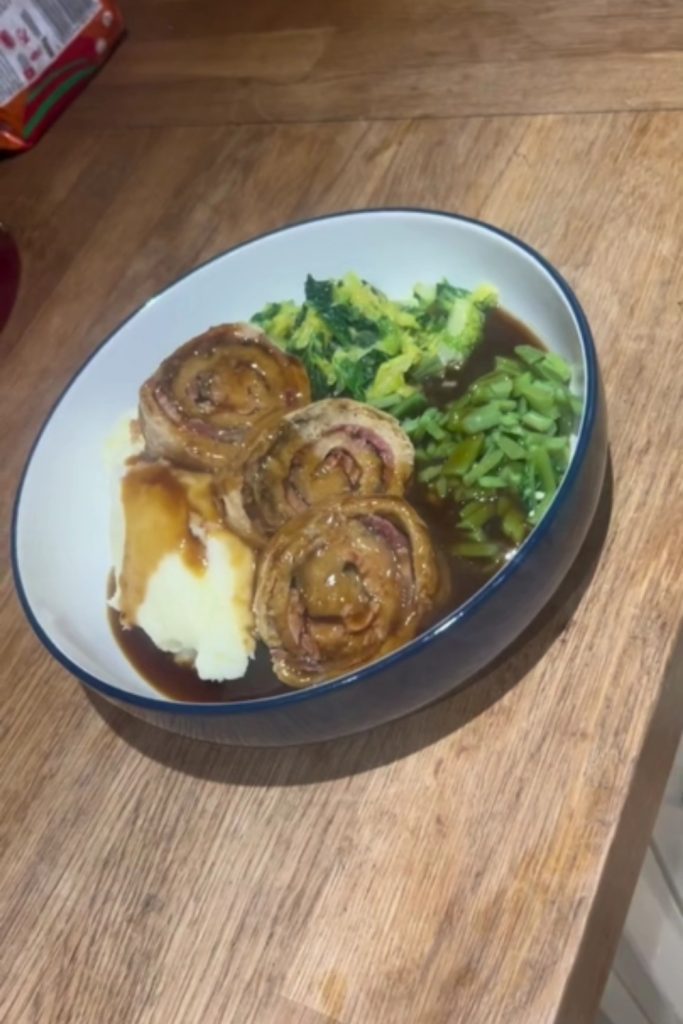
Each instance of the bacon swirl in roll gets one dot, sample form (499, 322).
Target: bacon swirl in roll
(331, 448)
(207, 402)
(344, 584)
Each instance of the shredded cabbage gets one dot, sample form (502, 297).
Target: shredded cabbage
(355, 341)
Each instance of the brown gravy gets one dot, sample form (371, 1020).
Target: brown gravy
(181, 682)
(177, 682)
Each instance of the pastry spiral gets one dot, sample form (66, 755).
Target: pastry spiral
(344, 584)
(207, 401)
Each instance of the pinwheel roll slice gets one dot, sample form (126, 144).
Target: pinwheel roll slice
(344, 584)
(329, 449)
(207, 402)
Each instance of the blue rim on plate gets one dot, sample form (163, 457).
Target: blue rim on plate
(460, 614)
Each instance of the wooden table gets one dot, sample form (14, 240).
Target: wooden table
(474, 862)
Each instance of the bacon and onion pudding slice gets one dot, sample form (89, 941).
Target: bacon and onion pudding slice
(208, 401)
(329, 449)
(344, 584)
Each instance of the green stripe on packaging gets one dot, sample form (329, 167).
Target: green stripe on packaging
(36, 91)
(48, 103)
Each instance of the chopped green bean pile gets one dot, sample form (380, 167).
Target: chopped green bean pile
(499, 451)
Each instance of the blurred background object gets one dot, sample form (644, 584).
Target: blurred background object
(49, 50)
(10, 271)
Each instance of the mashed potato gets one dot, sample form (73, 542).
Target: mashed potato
(180, 575)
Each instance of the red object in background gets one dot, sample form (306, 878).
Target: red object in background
(10, 271)
(49, 51)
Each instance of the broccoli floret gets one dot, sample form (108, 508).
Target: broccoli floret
(465, 325)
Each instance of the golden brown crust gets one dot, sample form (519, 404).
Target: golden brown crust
(343, 585)
(207, 401)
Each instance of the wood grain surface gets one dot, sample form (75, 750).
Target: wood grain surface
(474, 862)
(194, 63)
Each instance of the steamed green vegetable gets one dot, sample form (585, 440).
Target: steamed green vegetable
(355, 341)
(497, 453)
